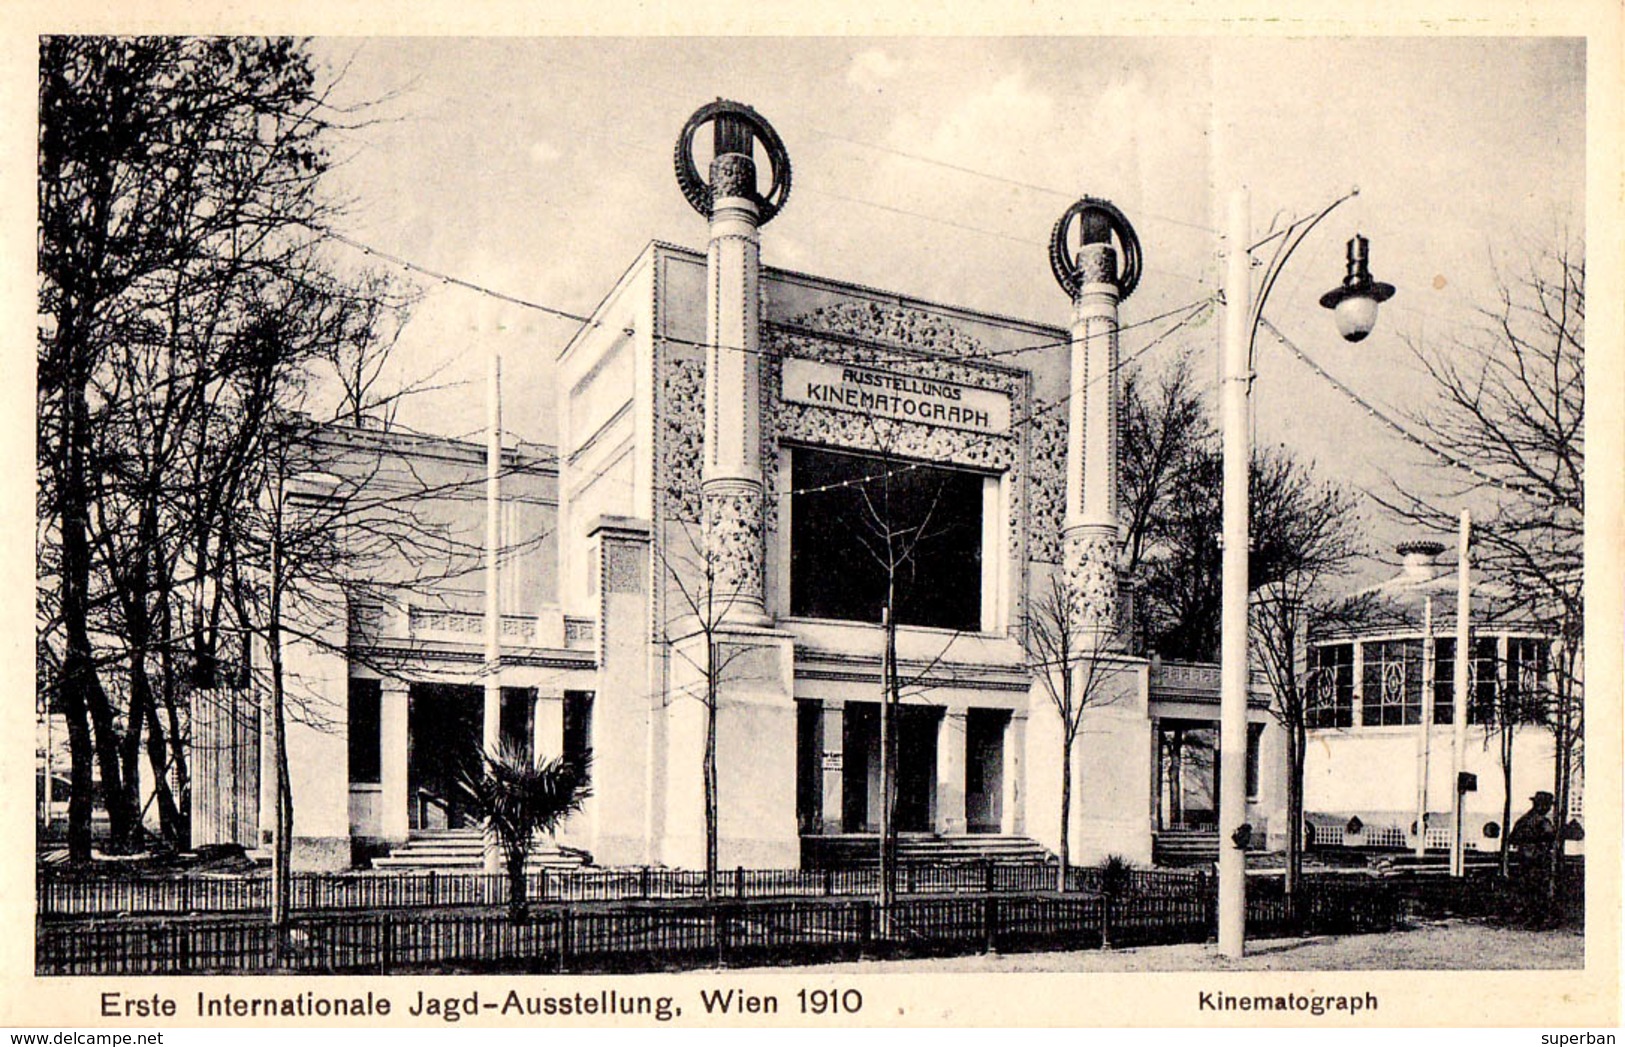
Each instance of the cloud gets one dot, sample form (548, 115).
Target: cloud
(871, 69)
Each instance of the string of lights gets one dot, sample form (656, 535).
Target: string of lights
(1031, 418)
(1193, 311)
(1404, 432)
(1371, 410)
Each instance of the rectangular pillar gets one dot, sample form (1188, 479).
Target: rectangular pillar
(547, 726)
(951, 772)
(394, 706)
(833, 717)
(1014, 818)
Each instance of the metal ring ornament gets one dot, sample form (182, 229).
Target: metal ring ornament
(1064, 265)
(698, 191)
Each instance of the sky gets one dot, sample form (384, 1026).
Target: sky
(540, 167)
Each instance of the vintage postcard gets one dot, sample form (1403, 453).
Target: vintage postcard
(1040, 519)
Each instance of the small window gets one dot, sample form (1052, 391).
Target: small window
(1255, 732)
(365, 747)
(1516, 691)
(1391, 692)
(1485, 681)
(1528, 669)
(518, 719)
(1444, 680)
(1330, 699)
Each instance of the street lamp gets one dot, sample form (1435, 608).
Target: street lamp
(1355, 303)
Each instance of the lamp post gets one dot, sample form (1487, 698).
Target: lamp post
(1355, 304)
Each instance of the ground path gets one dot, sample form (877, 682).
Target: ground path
(1442, 945)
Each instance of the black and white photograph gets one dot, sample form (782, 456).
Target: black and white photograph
(781, 509)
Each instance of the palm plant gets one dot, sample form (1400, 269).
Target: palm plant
(519, 795)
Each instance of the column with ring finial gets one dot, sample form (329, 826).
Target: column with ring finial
(1096, 284)
(731, 471)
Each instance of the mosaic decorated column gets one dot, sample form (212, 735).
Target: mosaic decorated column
(1092, 277)
(731, 476)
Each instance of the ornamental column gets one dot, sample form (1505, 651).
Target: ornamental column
(731, 470)
(1091, 540)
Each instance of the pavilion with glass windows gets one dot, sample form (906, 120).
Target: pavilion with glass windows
(1381, 718)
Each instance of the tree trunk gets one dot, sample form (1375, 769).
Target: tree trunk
(1506, 801)
(888, 767)
(169, 819)
(282, 795)
(1066, 809)
(1562, 785)
(712, 687)
(518, 888)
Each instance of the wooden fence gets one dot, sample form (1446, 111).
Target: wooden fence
(675, 934)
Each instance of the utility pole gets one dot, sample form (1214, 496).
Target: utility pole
(1458, 748)
(491, 722)
(1424, 737)
(1236, 424)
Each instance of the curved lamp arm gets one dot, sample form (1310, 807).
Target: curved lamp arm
(1295, 234)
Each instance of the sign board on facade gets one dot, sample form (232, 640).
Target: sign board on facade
(909, 397)
(832, 760)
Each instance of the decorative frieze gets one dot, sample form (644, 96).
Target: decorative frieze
(682, 435)
(1091, 575)
(733, 541)
(1046, 436)
(427, 622)
(732, 174)
(580, 632)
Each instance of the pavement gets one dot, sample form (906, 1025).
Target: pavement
(1439, 945)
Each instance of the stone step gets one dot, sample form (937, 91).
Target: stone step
(463, 850)
(860, 849)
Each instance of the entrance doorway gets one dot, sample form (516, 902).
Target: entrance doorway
(1188, 778)
(917, 729)
(444, 727)
(984, 769)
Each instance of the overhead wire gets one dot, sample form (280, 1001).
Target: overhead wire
(1385, 419)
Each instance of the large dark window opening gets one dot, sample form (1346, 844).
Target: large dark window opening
(857, 519)
(577, 742)
(366, 762)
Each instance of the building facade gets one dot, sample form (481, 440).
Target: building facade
(756, 472)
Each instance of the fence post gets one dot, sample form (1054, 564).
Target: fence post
(990, 924)
(1205, 891)
(829, 882)
(564, 935)
(989, 884)
(718, 933)
(866, 926)
(643, 882)
(910, 869)
(739, 881)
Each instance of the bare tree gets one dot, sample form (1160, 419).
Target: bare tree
(1075, 676)
(1165, 425)
(1306, 541)
(701, 582)
(1507, 427)
(178, 193)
